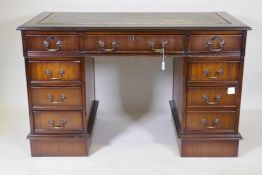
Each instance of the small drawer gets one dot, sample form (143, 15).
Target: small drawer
(56, 97)
(210, 121)
(58, 122)
(55, 70)
(211, 96)
(132, 43)
(52, 43)
(215, 43)
(213, 70)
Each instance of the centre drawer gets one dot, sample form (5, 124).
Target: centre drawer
(210, 121)
(132, 43)
(56, 97)
(55, 70)
(213, 70)
(58, 121)
(211, 96)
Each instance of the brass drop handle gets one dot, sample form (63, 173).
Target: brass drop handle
(58, 43)
(102, 45)
(60, 125)
(214, 42)
(207, 73)
(49, 74)
(205, 98)
(51, 99)
(152, 45)
(204, 123)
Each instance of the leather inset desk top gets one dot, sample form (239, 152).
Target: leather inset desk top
(84, 21)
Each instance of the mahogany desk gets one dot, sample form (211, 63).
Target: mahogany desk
(208, 51)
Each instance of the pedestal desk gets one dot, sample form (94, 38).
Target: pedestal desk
(208, 51)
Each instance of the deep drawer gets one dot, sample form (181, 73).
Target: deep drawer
(210, 121)
(210, 96)
(215, 43)
(56, 97)
(55, 70)
(213, 71)
(58, 121)
(52, 43)
(132, 43)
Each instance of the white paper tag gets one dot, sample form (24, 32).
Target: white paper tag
(163, 65)
(231, 90)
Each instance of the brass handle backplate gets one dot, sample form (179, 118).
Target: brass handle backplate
(204, 123)
(60, 125)
(152, 45)
(49, 74)
(215, 44)
(51, 99)
(205, 98)
(53, 39)
(102, 45)
(207, 73)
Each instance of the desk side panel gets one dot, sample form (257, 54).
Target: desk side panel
(89, 86)
(179, 70)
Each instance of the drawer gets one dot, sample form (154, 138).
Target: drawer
(55, 70)
(58, 121)
(132, 43)
(210, 121)
(213, 71)
(211, 96)
(66, 97)
(215, 43)
(52, 43)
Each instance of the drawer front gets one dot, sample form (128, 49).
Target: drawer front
(55, 70)
(58, 122)
(56, 97)
(210, 121)
(213, 71)
(210, 96)
(215, 43)
(52, 43)
(133, 43)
